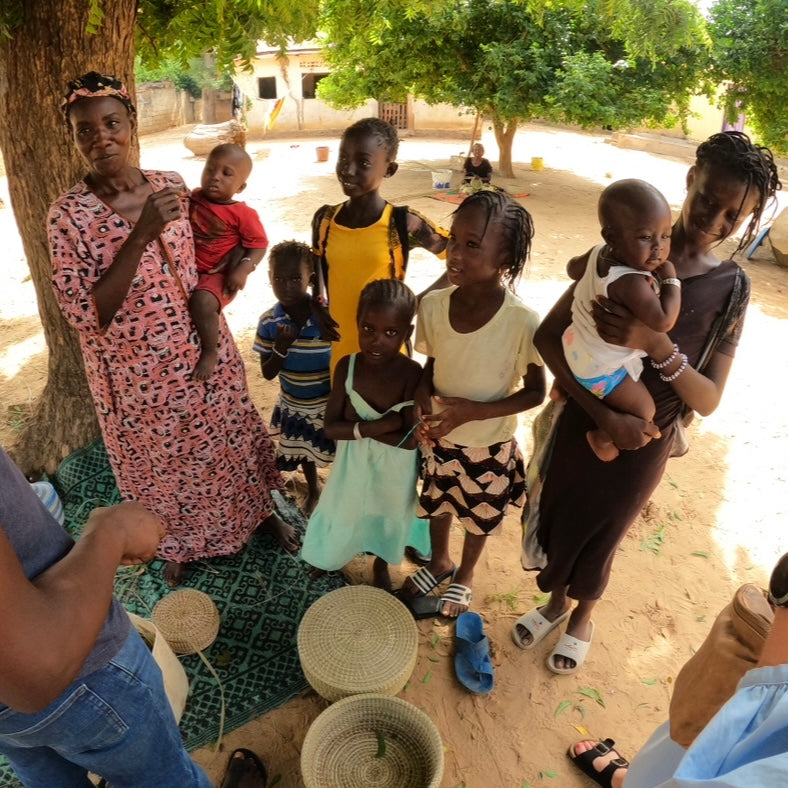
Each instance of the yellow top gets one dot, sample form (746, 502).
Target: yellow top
(355, 257)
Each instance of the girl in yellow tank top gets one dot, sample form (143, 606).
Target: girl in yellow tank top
(366, 238)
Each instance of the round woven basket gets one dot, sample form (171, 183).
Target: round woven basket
(357, 639)
(188, 620)
(372, 741)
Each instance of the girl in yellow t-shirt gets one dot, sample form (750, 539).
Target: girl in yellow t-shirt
(366, 237)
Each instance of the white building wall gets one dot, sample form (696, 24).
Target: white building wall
(300, 114)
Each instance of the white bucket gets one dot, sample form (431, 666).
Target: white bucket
(441, 179)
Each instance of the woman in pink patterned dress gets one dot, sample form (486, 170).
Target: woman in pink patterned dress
(195, 452)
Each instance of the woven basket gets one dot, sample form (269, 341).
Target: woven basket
(357, 639)
(372, 741)
(188, 619)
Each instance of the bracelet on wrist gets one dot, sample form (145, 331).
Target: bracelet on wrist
(357, 431)
(668, 361)
(281, 355)
(671, 280)
(247, 260)
(670, 378)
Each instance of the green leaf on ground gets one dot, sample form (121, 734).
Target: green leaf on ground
(433, 658)
(427, 677)
(275, 780)
(381, 745)
(654, 542)
(700, 553)
(700, 619)
(562, 707)
(650, 682)
(541, 599)
(592, 693)
(548, 773)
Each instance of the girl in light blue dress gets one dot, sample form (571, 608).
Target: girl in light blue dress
(369, 501)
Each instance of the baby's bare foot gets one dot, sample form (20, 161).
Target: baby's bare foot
(206, 365)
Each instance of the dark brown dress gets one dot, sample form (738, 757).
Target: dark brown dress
(586, 505)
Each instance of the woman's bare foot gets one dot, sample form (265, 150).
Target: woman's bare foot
(581, 630)
(602, 763)
(206, 365)
(380, 575)
(551, 613)
(244, 770)
(174, 574)
(283, 532)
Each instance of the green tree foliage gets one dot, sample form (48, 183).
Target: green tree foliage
(750, 50)
(606, 62)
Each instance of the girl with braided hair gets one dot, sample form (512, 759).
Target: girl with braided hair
(482, 370)
(369, 501)
(575, 521)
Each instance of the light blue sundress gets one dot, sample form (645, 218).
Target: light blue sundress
(369, 502)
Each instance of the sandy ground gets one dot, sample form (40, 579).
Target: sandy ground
(717, 520)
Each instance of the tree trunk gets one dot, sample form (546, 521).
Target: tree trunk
(504, 136)
(50, 48)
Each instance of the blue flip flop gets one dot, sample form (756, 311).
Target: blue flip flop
(472, 654)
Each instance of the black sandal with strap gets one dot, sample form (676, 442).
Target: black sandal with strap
(585, 762)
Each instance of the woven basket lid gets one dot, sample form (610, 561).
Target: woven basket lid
(357, 639)
(188, 620)
(372, 741)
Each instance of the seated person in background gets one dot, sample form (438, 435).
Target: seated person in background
(476, 166)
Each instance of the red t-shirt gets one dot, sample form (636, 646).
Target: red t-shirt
(219, 227)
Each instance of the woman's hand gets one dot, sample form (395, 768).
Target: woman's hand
(628, 432)
(159, 210)
(617, 325)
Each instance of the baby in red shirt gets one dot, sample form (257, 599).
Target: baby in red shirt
(220, 225)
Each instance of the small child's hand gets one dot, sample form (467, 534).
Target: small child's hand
(667, 270)
(285, 336)
(390, 422)
(235, 280)
(457, 411)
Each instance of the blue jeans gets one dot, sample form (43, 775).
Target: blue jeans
(116, 722)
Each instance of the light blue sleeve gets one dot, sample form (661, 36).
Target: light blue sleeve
(746, 743)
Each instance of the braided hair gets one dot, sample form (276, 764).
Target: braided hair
(754, 165)
(516, 224)
(375, 127)
(388, 292)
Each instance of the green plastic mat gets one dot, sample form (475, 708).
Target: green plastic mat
(261, 593)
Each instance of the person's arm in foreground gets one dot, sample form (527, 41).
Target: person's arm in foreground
(627, 431)
(50, 623)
